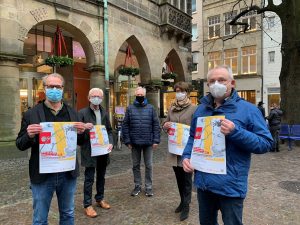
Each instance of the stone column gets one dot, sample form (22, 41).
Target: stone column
(10, 108)
(97, 79)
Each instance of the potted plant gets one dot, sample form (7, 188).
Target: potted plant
(59, 61)
(129, 71)
(169, 75)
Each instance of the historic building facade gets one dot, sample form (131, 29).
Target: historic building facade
(157, 32)
(243, 52)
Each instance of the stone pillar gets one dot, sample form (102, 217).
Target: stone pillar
(97, 79)
(10, 115)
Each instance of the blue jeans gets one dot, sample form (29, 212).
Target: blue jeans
(136, 153)
(65, 186)
(210, 203)
(89, 176)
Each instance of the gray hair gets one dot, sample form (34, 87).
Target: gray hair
(140, 88)
(228, 68)
(53, 75)
(95, 89)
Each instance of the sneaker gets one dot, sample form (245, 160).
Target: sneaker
(137, 189)
(149, 192)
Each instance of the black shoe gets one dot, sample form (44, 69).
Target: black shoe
(179, 208)
(137, 189)
(184, 213)
(149, 192)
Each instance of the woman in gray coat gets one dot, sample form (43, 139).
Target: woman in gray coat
(181, 111)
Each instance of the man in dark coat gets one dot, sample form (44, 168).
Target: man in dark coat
(43, 185)
(141, 133)
(92, 115)
(261, 109)
(274, 119)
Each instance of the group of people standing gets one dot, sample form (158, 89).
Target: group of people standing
(244, 128)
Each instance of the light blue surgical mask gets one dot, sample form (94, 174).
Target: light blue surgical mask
(180, 96)
(54, 94)
(95, 100)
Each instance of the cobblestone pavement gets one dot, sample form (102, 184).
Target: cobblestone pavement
(273, 198)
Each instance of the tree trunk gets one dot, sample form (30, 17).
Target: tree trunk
(290, 70)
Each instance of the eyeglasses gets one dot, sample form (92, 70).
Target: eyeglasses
(220, 81)
(54, 86)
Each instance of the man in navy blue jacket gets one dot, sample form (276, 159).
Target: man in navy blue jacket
(245, 132)
(141, 133)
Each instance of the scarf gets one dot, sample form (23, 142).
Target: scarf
(177, 106)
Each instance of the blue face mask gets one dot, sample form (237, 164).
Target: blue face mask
(54, 95)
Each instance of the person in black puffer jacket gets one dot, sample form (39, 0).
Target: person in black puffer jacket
(274, 119)
(141, 133)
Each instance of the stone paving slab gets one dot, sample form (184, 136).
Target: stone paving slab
(267, 202)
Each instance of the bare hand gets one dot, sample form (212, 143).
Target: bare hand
(80, 127)
(187, 166)
(110, 147)
(154, 146)
(34, 129)
(88, 126)
(129, 146)
(167, 125)
(227, 126)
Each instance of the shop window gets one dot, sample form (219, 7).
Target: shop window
(248, 96)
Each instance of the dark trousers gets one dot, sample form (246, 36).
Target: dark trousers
(89, 175)
(210, 203)
(184, 183)
(275, 134)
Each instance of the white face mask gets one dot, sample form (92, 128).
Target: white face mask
(217, 90)
(95, 100)
(180, 95)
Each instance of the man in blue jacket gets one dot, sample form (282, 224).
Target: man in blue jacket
(141, 133)
(245, 132)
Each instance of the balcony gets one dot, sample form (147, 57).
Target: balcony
(174, 22)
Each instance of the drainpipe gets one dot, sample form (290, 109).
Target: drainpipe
(106, 67)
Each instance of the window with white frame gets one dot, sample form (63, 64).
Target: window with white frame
(228, 28)
(249, 64)
(272, 57)
(194, 6)
(214, 59)
(194, 32)
(195, 57)
(214, 26)
(231, 59)
(250, 19)
(175, 3)
(271, 22)
(182, 5)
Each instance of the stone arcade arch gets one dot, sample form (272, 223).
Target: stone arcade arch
(11, 54)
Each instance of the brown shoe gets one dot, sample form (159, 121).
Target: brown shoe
(90, 212)
(103, 204)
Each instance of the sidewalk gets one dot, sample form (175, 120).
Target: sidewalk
(273, 197)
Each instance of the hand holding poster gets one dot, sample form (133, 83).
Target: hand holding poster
(178, 137)
(58, 142)
(209, 153)
(99, 140)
